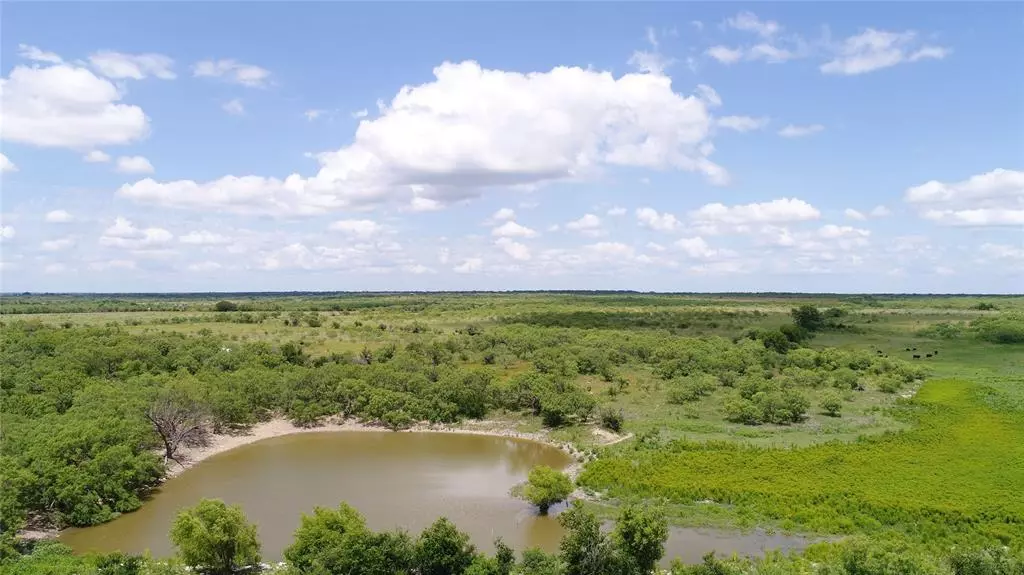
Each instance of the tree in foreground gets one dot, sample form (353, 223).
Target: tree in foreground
(443, 550)
(640, 534)
(214, 538)
(545, 487)
(585, 550)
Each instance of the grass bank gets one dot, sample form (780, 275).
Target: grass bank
(956, 477)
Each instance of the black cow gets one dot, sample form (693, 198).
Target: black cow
(917, 356)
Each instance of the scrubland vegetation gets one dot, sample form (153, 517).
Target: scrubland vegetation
(893, 425)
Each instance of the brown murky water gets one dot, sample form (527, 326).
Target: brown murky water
(402, 480)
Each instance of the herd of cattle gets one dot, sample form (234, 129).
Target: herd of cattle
(915, 356)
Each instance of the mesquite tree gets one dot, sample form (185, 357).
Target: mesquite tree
(180, 421)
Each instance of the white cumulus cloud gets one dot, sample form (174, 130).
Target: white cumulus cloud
(6, 165)
(489, 129)
(503, 214)
(58, 217)
(782, 210)
(514, 249)
(134, 165)
(586, 222)
(511, 229)
(96, 157)
(67, 106)
(234, 107)
(358, 228)
(124, 234)
(663, 222)
(38, 55)
(995, 198)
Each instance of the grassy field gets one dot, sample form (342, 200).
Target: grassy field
(925, 449)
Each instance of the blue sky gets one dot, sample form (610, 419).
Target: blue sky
(847, 147)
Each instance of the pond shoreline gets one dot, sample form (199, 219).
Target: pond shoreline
(279, 427)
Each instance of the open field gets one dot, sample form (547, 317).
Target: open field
(740, 416)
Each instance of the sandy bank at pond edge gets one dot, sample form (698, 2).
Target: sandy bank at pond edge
(279, 427)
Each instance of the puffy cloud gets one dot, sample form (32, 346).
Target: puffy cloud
(69, 106)
(587, 222)
(832, 231)
(37, 55)
(777, 211)
(978, 217)
(611, 250)
(514, 249)
(490, 129)
(358, 228)
(366, 257)
(421, 204)
(123, 234)
(503, 214)
(234, 107)
(313, 114)
(134, 165)
(697, 248)
(57, 245)
(742, 123)
(7, 232)
(96, 157)
(512, 229)
(664, 222)
(854, 214)
(617, 211)
(6, 165)
(795, 131)
(880, 212)
(994, 198)
(232, 71)
(749, 22)
(724, 54)
(877, 49)
(134, 66)
(58, 217)
(469, 265)
(204, 238)
(655, 247)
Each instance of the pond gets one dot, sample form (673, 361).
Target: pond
(402, 480)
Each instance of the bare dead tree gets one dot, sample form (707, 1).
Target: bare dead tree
(180, 422)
